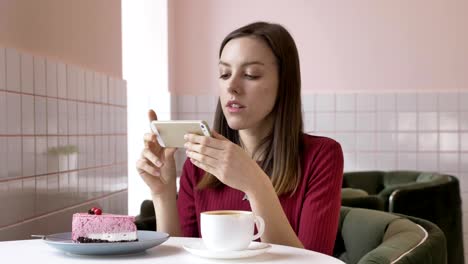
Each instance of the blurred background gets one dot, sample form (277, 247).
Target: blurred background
(387, 79)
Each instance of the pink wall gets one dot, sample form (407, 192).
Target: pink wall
(345, 46)
(85, 33)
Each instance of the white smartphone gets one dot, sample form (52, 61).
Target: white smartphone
(171, 133)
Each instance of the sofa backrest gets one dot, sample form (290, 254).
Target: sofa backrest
(374, 182)
(369, 236)
(401, 178)
(369, 181)
(400, 239)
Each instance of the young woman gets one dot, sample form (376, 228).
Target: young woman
(259, 159)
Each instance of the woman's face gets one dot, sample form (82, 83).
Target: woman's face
(248, 81)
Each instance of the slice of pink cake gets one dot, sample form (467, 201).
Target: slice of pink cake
(103, 228)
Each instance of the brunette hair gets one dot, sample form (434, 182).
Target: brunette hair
(281, 149)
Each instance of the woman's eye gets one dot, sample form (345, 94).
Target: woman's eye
(224, 76)
(251, 77)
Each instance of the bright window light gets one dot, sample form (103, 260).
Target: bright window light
(145, 68)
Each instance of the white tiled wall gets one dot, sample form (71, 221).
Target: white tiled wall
(2, 68)
(388, 131)
(419, 126)
(39, 75)
(13, 70)
(27, 73)
(44, 104)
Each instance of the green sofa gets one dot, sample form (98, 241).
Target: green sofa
(371, 237)
(427, 195)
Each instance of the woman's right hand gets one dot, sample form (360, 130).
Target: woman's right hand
(157, 164)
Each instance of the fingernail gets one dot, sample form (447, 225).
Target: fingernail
(185, 136)
(157, 173)
(186, 145)
(186, 152)
(158, 163)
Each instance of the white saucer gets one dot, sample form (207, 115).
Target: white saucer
(146, 240)
(254, 249)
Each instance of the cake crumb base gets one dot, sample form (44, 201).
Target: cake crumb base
(90, 240)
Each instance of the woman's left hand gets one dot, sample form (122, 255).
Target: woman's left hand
(225, 160)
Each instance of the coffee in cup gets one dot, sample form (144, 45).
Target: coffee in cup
(229, 230)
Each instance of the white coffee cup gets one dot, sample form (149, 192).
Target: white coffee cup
(229, 230)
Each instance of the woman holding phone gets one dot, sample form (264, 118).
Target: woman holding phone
(258, 158)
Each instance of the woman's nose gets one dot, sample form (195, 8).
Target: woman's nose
(233, 85)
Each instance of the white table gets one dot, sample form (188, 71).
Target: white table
(171, 251)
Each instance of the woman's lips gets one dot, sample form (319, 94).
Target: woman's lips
(234, 109)
(234, 106)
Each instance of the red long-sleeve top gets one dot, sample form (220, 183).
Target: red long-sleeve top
(313, 210)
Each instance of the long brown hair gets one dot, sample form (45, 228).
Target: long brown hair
(281, 149)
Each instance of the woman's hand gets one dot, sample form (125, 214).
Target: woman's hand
(225, 160)
(157, 165)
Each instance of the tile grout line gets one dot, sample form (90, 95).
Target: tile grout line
(61, 172)
(65, 98)
(37, 217)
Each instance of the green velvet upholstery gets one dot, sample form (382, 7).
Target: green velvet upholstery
(359, 198)
(431, 196)
(369, 236)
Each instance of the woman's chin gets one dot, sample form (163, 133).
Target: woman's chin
(236, 125)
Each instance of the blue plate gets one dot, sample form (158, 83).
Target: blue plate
(146, 240)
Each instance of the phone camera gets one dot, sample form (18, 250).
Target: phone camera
(203, 126)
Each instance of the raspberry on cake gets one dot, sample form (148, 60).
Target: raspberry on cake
(95, 227)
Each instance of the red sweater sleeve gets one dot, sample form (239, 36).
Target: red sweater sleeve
(321, 208)
(186, 202)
